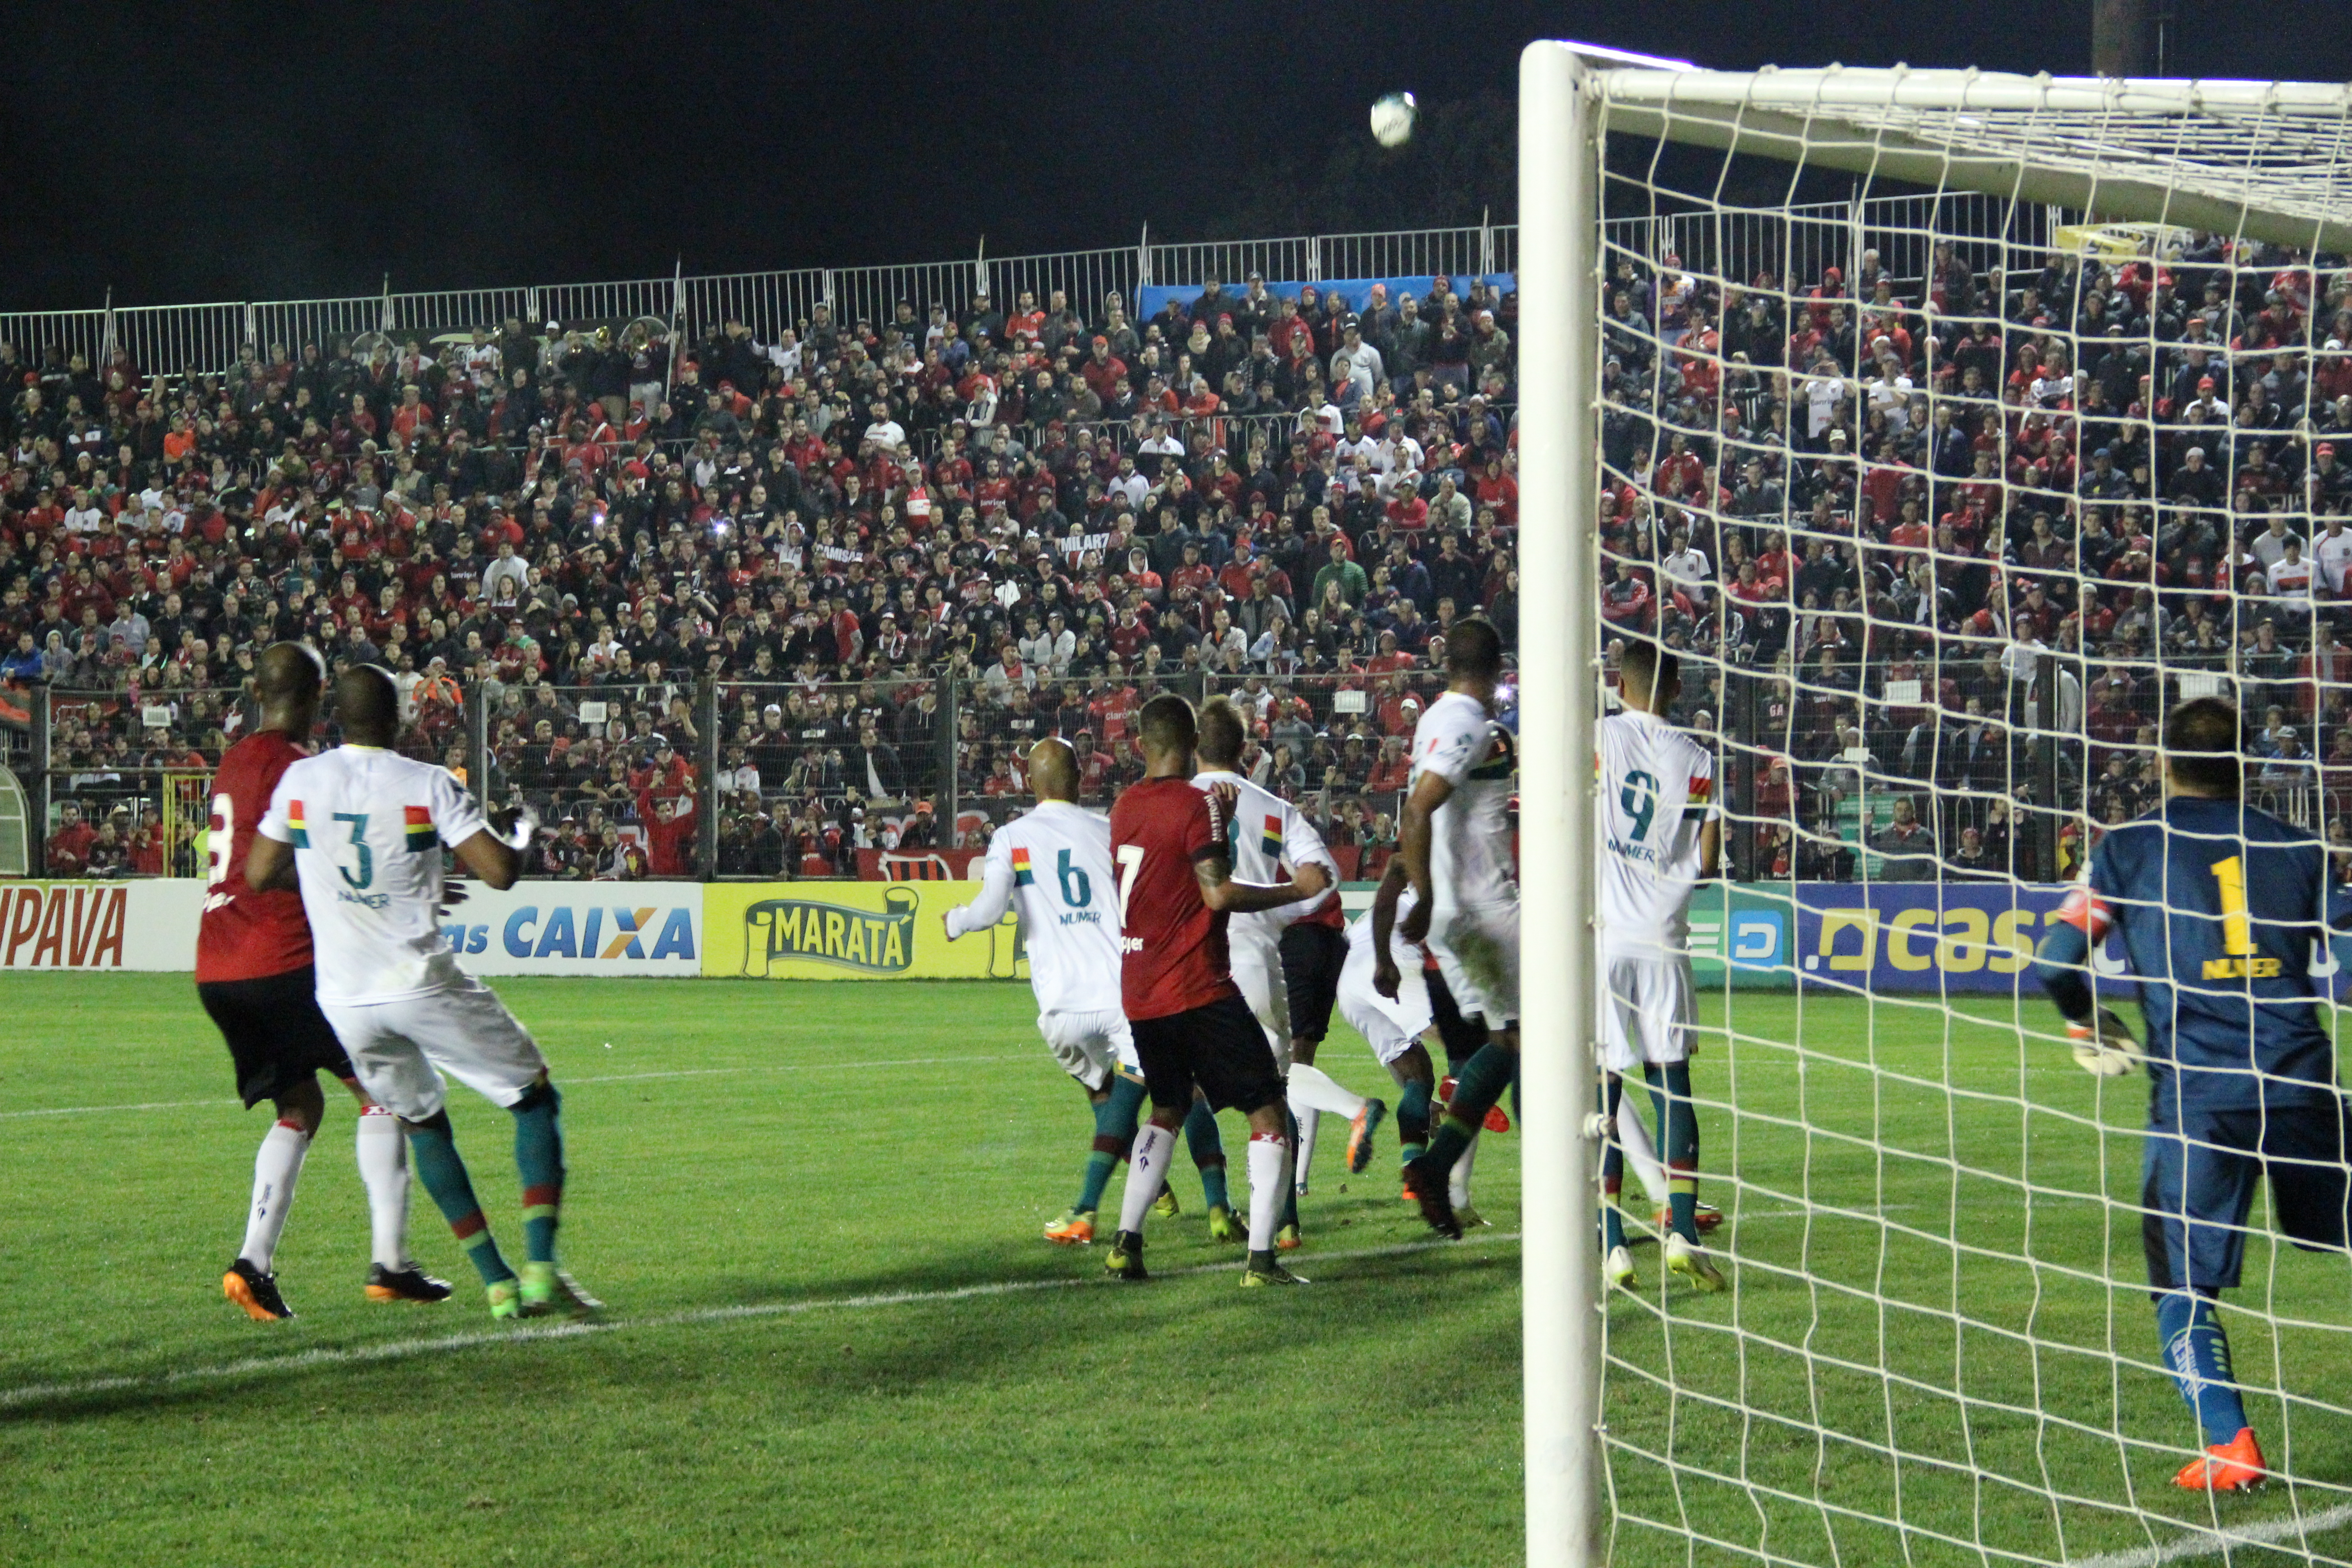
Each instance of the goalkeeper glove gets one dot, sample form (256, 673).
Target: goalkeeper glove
(2103, 1047)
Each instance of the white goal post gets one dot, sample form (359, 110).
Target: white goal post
(2256, 161)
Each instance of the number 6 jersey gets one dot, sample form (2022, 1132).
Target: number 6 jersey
(367, 827)
(1054, 865)
(1658, 790)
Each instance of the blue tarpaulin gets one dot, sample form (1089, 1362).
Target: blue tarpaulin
(1152, 298)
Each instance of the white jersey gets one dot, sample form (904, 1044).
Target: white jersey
(367, 827)
(1470, 841)
(1265, 831)
(1658, 790)
(1056, 862)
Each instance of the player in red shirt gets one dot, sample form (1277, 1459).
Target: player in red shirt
(253, 976)
(1192, 1026)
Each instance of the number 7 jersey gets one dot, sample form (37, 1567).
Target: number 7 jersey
(1658, 790)
(366, 828)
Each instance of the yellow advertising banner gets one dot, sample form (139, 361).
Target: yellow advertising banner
(851, 931)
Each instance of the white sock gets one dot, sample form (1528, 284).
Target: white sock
(1458, 1183)
(1147, 1172)
(1633, 1136)
(1269, 1174)
(1307, 1120)
(1313, 1089)
(275, 1168)
(383, 1169)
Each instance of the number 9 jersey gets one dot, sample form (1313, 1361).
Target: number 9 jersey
(1658, 790)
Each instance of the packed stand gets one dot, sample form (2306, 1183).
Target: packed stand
(1946, 547)
(748, 608)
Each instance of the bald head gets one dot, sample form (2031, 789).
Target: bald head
(287, 678)
(1053, 770)
(367, 705)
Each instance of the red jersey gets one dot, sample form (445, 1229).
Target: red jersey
(1171, 945)
(246, 935)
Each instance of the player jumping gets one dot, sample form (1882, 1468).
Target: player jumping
(1055, 862)
(1658, 837)
(2219, 905)
(254, 978)
(1192, 1026)
(1267, 832)
(1457, 846)
(360, 829)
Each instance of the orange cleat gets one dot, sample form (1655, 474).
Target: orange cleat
(1706, 1218)
(2235, 1465)
(1075, 1228)
(1497, 1118)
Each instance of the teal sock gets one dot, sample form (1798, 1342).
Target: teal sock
(539, 1156)
(1413, 1120)
(1670, 1094)
(433, 1151)
(1115, 1123)
(1613, 1167)
(2196, 1354)
(1476, 1086)
(1208, 1152)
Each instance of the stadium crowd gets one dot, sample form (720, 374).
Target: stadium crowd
(1948, 544)
(807, 588)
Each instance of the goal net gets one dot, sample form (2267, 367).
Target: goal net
(1951, 428)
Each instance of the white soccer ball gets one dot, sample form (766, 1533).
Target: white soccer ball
(1392, 119)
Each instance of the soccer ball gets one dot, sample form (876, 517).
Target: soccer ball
(1392, 119)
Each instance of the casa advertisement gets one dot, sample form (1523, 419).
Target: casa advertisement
(642, 928)
(852, 931)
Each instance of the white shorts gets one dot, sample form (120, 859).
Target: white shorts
(1477, 952)
(1090, 1047)
(1388, 1027)
(400, 1048)
(1646, 1009)
(1258, 972)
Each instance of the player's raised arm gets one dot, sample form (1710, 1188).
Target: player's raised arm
(995, 894)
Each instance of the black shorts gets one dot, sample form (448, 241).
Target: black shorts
(1220, 1048)
(276, 1034)
(1312, 957)
(1460, 1035)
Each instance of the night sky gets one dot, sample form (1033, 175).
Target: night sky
(236, 152)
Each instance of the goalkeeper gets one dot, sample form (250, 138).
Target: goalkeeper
(2219, 905)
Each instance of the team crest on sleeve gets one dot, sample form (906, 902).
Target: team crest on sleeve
(295, 825)
(417, 822)
(1023, 876)
(1269, 838)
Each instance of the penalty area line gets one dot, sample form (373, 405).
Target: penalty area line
(594, 1078)
(2203, 1542)
(408, 1350)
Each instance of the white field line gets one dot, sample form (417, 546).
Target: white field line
(566, 1082)
(404, 1349)
(2201, 1542)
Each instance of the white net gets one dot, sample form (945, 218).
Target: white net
(1946, 493)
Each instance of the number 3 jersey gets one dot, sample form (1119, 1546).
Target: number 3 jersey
(367, 827)
(1658, 790)
(246, 935)
(1054, 865)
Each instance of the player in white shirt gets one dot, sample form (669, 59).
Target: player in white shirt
(1054, 864)
(360, 830)
(1658, 839)
(1268, 836)
(1457, 846)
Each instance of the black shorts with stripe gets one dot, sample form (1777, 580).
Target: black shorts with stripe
(1312, 957)
(277, 1037)
(1219, 1047)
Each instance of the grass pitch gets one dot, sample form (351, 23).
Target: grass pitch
(836, 1339)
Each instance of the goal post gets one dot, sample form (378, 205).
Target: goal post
(1946, 1351)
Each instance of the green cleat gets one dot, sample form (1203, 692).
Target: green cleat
(1126, 1259)
(1288, 1239)
(506, 1299)
(1465, 1216)
(1226, 1226)
(547, 1291)
(1689, 1261)
(1165, 1205)
(1263, 1271)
